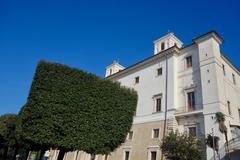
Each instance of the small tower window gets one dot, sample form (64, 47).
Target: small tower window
(162, 46)
(110, 71)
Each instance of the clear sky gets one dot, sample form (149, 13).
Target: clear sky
(90, 34)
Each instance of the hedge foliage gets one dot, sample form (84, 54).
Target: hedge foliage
(74, 110)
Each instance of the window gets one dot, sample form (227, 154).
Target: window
(126, 157)
(189, 61)
(234, 80)
(192, 130)
(136, 80)
(224, 72)
(156, 133)
(158, 104)
(191, 101)
(130, 135)
(110, 71)
(229, 108)
(153, 155)
(159, 71)
(239, 114)
(162, 46)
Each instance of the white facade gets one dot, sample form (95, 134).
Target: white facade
(214, 89)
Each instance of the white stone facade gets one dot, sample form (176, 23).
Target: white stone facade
(214, 80)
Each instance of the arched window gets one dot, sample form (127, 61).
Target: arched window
(162, 46)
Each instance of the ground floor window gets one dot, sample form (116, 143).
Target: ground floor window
(126, 157)
(191, 130)
(153, 155)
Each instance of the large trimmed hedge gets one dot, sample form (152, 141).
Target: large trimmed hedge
(74, 110)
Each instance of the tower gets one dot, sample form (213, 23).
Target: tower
(166, 42)
(113, 68)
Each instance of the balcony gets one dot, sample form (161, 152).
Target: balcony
(188, 111)
(234, 144)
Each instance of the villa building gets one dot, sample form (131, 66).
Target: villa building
(189, 83)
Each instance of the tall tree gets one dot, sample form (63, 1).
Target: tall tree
(70, 109)
(176, 146)
(220, 119)
(8, 134)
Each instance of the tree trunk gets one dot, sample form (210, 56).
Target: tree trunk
(61, 154)
(227, 147)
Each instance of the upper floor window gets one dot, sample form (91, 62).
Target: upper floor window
(224, 72)
(189, 61)
(156, 133)
(153, 155)
(158, 104)
(137, 80)
(191, 101)
(162, 46)
(229, 108)
(159, 71)
(233, 78)
(130, 135)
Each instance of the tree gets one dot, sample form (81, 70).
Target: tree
(9, 143)
(70, 109)
(176, 146)
(220, 119)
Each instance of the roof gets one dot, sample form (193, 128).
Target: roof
(214, 33)
(160, 54)
(175, 48)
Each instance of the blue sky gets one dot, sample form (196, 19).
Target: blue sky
(90, 34)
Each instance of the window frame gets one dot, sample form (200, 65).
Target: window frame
(136, 80)
(224, 70)
(189, 61)
(130, 135)
(155, 99)
(162, 46)
(239, 114)
(159, 71)
(229, 108)
(154, 133)
(186, 128)
(191, 107)
(233, 78)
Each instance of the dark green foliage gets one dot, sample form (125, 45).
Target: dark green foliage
(177, 146)
(70, 109)
(11, 142)
(8, 135)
